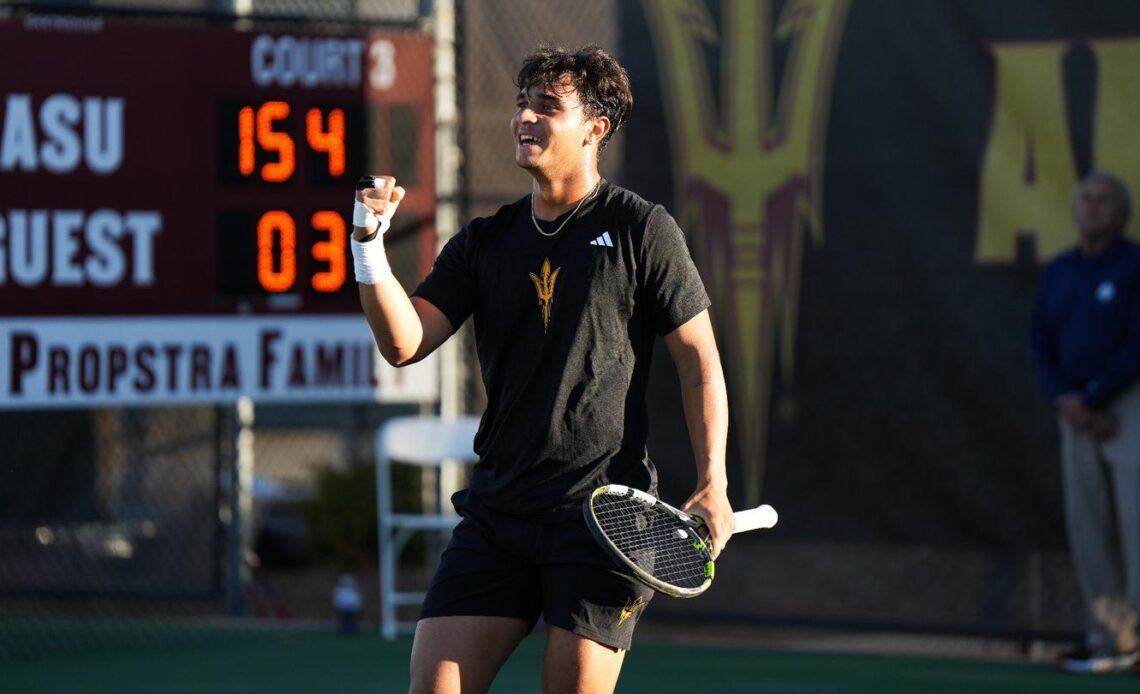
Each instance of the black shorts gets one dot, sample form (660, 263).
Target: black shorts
(499, 565)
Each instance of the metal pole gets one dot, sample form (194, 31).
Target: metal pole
(240, 508)
(453, 364)
(448, 157)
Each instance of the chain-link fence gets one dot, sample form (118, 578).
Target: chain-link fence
(907, 450)
(132, 525)
(111, 525)
(123, 528)
(355, 11)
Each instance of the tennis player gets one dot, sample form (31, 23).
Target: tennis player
(567, 288)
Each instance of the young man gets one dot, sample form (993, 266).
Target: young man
(1086, 347)
(567, 288)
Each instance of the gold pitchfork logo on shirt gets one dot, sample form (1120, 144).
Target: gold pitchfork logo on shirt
(544, 287)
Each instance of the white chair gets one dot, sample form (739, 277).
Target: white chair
(429, 442)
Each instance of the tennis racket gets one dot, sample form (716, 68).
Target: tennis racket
(662, 545)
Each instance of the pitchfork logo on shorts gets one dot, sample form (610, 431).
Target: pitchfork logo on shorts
(544, 287)
(632, 606)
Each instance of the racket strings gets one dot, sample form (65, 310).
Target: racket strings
(654, 540)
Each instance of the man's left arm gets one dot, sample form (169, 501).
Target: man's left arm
(705, 400)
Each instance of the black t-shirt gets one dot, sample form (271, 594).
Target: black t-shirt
(564, 328)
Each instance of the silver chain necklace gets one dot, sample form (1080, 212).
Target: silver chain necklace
(566, 221)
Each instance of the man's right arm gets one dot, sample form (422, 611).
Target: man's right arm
(406, 329)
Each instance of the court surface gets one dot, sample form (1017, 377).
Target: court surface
(318, 661)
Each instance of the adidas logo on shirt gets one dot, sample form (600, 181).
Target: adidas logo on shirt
(603, 240)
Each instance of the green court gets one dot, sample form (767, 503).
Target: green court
(312, 661)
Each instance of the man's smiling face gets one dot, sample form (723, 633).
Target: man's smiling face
(549, 127)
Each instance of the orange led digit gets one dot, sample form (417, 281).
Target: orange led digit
(331, 251)
(330, 141)
(276, 224)
(245, 141)
(273, 141)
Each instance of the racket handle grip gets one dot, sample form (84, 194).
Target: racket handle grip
(756, 518)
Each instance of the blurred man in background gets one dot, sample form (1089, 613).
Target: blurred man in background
(1085, 338)
(567, 288)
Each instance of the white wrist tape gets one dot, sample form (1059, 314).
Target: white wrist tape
(364, 217)
(369, 260)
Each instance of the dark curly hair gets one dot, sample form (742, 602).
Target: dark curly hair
(602, 83)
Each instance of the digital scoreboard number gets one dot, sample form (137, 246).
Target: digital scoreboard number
(278, 144)
(201, 171)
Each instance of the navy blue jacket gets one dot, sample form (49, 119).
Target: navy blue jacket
(1085, 334)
